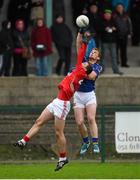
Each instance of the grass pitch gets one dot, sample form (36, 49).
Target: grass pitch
(73, 170)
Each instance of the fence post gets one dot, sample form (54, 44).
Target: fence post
(48, 12)
(103, 153)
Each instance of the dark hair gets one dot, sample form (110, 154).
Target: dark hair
(93, 4)
(59, 15)
(119, 3)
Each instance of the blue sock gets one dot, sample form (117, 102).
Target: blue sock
(95, 140)
(86, 140)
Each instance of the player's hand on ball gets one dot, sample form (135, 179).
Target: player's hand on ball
(82, 30)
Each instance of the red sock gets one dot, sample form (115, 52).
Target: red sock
(62, 155)
(26, 138)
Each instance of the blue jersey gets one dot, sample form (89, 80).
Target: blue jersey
(89, 85)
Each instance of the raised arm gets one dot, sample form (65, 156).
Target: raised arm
(78, 41)
(81, 48)
(81, 54)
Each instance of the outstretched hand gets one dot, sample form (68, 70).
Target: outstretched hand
(86, 37)
(83, 30)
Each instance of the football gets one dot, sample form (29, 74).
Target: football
(82, 21)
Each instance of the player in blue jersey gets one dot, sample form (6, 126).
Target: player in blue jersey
(85, 100)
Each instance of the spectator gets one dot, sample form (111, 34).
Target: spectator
(41, 42)
(37, 10)
(125, 3)
(135, 18)
(20, 39)
(6, 44)
(108, 41)
(62, 37)
(124, 29)
(94, 21)
(19, 9)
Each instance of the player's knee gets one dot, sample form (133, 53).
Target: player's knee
(91, 120)
(79, 122)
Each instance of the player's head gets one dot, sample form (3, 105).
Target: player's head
(94, 55)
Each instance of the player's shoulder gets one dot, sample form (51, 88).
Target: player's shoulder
(97, 67)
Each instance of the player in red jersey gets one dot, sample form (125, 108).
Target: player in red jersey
(59, 108)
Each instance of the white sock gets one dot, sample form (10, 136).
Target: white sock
(23, 141)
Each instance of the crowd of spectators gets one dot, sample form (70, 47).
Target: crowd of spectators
(25, 29)
(112, 22)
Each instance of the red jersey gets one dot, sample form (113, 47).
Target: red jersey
(71, 82)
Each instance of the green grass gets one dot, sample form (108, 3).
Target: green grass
(73, 170)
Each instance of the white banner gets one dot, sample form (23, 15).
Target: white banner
(127, 132)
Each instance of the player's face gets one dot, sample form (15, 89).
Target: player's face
(94, 55)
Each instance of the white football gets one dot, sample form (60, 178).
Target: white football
(82, 21)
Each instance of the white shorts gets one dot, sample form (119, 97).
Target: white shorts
(59, 108)
(83, 99)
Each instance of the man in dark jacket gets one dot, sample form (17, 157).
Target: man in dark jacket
(6, 46)
(62, 37)
(108, 41)
(94, 21)
(124, 30)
